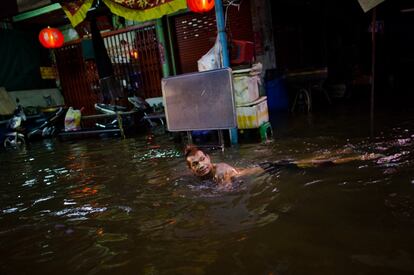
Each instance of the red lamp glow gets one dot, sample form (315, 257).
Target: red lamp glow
(51, 38)
(200, 6)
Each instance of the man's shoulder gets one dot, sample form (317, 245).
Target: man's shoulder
(223, 165)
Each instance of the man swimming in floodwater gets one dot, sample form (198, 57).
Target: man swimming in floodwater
(222, 173)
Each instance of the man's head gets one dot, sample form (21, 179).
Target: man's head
(197, 161)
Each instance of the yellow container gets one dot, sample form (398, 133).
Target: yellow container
(252, 115)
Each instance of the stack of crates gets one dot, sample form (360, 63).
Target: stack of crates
(251, 108)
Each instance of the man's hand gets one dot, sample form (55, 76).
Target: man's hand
(223, 173)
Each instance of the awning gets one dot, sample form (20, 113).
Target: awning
(136, 10)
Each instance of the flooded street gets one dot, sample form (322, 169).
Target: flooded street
(131, 206)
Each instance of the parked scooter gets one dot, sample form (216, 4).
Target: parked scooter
(140, 104)
(140, 110)
(14, 136)
(21, 128)
(47, 125)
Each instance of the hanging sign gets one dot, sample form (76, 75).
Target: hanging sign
(48, 72)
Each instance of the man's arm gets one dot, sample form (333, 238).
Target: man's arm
(332, 161)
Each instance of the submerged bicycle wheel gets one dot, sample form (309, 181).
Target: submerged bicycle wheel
(302, 101)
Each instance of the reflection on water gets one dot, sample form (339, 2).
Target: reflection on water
(131, 207)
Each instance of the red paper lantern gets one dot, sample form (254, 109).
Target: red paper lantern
(51, 38)
(200, 6)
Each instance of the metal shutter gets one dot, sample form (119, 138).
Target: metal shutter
(196, 34)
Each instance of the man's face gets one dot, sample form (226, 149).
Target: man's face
(199, 163)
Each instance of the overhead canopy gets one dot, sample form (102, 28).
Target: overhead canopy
(137, 10)
(366, 5)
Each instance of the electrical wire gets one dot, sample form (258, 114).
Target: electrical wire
(228, 4)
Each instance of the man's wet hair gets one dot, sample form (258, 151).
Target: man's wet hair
(190, 150)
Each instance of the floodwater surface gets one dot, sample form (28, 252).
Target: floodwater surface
(131, 207)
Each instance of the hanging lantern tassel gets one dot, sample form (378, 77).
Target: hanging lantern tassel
(200, 6)
(51, 38)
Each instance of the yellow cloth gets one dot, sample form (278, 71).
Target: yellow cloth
(144, 10)
(76, 10)
(136, 10)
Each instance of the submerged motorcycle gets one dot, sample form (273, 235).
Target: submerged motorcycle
(14, 136)
(21, 128)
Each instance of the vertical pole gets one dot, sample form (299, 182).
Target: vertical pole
(121, 128)
(55, 67)
(221, 139)
(221, 28)
(159, 30)
(170, 41)
(189, 137)
(373, 35)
